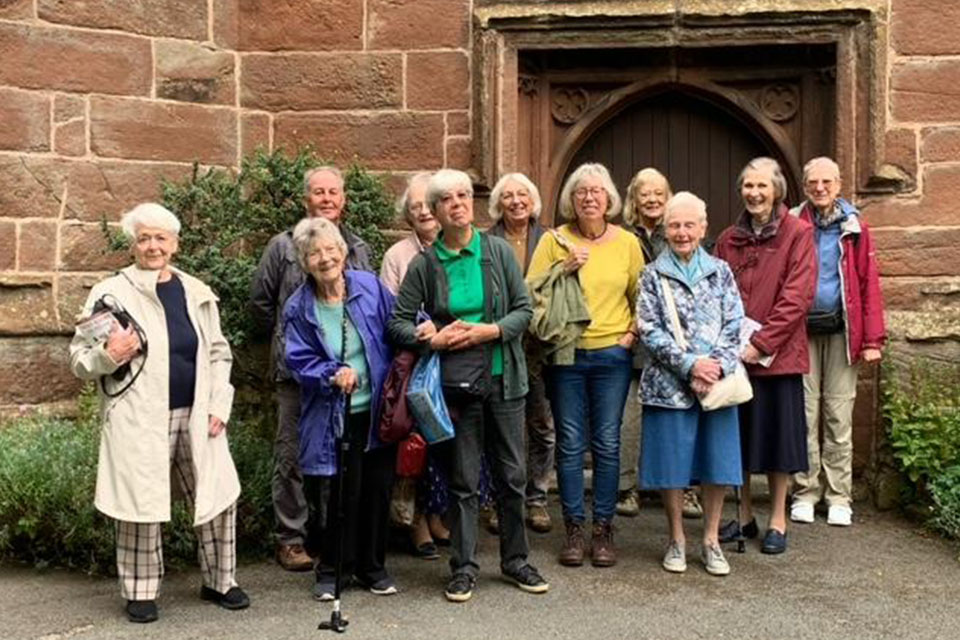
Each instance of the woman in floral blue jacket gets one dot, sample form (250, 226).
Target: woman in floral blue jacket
(682, 443)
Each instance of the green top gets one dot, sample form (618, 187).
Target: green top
(465, 278)
(330, 317)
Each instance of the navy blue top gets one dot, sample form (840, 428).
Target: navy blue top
(183, 343)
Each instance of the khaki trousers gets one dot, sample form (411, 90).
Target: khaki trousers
(630, 437)
(830, 390)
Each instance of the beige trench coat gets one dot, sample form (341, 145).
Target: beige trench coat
(133, 472)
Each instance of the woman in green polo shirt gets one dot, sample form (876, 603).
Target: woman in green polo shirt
(472, 287)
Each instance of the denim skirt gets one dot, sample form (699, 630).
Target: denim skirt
(684, 447)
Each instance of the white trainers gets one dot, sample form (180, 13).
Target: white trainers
(840, 515)
(714, 561)
(675, 559)
(801, 512)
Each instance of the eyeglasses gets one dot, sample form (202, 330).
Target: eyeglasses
(581, 192)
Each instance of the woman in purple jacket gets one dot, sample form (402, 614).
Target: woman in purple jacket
(335, 325)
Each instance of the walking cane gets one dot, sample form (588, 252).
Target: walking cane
(739, 539)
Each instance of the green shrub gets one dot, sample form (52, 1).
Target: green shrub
(47, 476)
(922, 412)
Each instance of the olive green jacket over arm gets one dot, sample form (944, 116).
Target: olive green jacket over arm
(511, 309)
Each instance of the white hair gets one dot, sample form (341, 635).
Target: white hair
(644, 176)
(494, 205)
(614, 203)
(821, 161)
(443, 181)
(403, 202)
(685, 200)
(326, 168)
(308, 231)
(776, 176)
(149, 214)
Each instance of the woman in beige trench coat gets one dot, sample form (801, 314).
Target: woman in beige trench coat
(164, 417)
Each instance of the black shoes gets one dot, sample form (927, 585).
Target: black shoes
(527, 578)
(233, 599)
(460, 587)
(141, 610)
(774, 542)
(728, 531)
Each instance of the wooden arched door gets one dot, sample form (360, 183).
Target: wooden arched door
(698, 145)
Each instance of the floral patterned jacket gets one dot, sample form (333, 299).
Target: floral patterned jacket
(710, 312)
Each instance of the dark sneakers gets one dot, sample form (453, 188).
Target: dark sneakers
(141, 610)
(728, 531)
(460, 587)
(574, 547)
(233, 599)
(527, 578)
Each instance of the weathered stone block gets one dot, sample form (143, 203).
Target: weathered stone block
(926, 91)
(459, 153)
(16, 9)
(304, 81)
(925, 27)
(38, 245)
(8, 245)
(145, 130)
(306, 25)
(419, 24)
(177, 18)
(438, 80)
(24, 121)
(26, 305)
(72, 293)
(190, 72)
(458, 123)
(35, 187)
(901, 150)
(226, 23)
(70, 138)
(37, 57)
(918, 252)
(34, 370)
(83, 247)
(941, 188)
(254, 132)
(403, 141)
(940, 144)
(68, 107)
(921, 294)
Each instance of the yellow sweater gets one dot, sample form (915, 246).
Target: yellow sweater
(608, 280)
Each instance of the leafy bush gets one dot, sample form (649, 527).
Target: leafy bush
(47, 476)
(922, 412)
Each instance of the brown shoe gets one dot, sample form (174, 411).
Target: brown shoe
(538, 519)
(603, 553)
(293, 557)
(571, 555)
(490, 519)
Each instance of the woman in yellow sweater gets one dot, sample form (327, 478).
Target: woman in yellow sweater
(587, 396)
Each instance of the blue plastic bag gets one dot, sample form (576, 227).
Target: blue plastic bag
(425, 399)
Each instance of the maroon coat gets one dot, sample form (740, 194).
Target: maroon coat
(777, 275)
(862, 299)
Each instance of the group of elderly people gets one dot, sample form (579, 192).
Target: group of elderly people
(522, 318)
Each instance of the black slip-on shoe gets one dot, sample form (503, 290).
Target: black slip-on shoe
(142, 610)
(233, 599)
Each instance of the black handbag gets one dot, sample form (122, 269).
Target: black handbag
(823, 323)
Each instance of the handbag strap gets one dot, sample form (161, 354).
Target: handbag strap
(672, 311)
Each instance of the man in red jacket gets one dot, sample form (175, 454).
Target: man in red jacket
(846, 327)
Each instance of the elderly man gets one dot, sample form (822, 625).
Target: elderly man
(277, 277)
(846, 327)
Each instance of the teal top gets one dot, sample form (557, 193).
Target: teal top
(330, 318)
(465, 278)
(690, 270)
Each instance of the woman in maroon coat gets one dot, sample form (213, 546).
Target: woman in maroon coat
(773, 259)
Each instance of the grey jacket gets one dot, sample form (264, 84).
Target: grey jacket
(277, 277)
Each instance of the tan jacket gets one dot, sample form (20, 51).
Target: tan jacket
(133, 472)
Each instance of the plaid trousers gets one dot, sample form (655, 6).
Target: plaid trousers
(140, 549)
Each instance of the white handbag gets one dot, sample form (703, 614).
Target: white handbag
(729, 390)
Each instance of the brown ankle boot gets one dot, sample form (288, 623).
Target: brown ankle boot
(571, 555)
(603, 553)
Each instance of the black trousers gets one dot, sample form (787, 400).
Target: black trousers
(366, 494)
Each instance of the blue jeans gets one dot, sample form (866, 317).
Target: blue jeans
(587, 399)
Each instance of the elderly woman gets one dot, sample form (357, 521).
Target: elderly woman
(771, 254)
(587, 396)
(471, 285)
(682, 443)
(515, 206)
(336, 346)
(846, 327)
(165, 413)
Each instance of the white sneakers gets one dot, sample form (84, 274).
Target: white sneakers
(801, 512)
(838, 515)
(675, 559)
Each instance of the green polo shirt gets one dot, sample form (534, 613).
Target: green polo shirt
(465, 280)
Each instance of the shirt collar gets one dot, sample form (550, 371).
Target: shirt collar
(445, 254)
